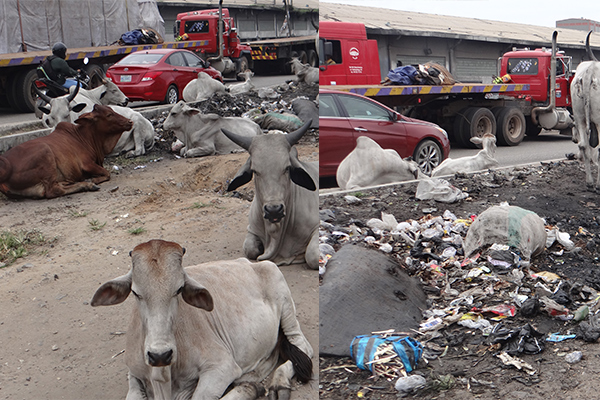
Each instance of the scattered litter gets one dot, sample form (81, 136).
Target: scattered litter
(557, 337)
(573, 357)
(389, 357)
(140, 167)
(408, 384)
(515, 362)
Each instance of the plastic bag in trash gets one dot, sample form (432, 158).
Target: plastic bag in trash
(521, 340)
(439, 190)
(510, 225)
(364, 349)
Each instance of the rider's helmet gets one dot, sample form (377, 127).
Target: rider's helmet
(60, 50)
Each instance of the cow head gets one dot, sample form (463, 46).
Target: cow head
(158, 282)
(112, 95)
(180, 113)
(275, 165)
(58, 109)
(105, 127)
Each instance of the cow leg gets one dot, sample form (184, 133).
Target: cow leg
(63, 188)
(136, 389)
(97, 172)
(199, 151)
(245, 391)
(215, 380)
(312, 251)
(253, 246)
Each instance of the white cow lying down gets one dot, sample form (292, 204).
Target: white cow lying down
(202, 88)
(139, 139)
(201, 133)
(195, 331)
(368, 165)
(481, 161)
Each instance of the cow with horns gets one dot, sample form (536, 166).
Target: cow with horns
(284, 215)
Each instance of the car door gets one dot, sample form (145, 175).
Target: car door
(369, 118)
(336, 136)
(181, 72)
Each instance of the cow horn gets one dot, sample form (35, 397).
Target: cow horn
(294, 137)
(72, 95)
(589, 51)
(241, 141)
(42, 95)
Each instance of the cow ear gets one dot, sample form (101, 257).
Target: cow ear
(44, 109)
(196, 295)
(298, 174)
(113, 292)
(191, 111)
(84, 117)
(243, 176)
(78, 107)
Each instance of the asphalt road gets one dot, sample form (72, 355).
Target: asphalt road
(9, 116)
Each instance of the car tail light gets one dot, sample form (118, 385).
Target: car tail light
(109, 76)
(151, 75)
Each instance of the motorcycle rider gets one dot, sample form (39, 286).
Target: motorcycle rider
(56, 68)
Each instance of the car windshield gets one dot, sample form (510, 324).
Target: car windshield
(141, 58)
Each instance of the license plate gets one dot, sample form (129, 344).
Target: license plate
(125, 78)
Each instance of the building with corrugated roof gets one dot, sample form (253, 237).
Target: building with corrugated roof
(581, 24)
(468, 47)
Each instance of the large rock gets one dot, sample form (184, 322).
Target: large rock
(364, 291)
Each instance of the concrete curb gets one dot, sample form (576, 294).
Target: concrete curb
(34, 129)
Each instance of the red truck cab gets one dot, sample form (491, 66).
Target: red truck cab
(532, 67)
(204, 25)
(346, 56)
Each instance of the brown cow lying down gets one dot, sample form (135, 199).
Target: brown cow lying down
(58, 164)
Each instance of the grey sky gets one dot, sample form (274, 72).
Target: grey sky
(543, 13)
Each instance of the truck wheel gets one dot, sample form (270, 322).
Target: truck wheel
(477, 122)
(24, 95)
(428, 155)
(313, 60)
(302, 57)
(532, 130)
(172, 96)
(96, 74)
(510, 123)
(242, 65)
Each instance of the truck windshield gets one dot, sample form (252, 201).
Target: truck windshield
(522, 66)
(200, 26)
(141, 58)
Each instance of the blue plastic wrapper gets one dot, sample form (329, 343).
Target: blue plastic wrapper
(363, 350)
(557, 337)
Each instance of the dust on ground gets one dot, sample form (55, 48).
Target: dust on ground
(471, 369)
(54, 344)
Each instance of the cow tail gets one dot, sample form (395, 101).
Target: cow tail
(301, 362)
(590, 126)
(5, 169)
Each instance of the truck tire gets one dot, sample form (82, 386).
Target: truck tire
(242, 65)
(313, 59)
(510, 123)
(302, 57)
(24, 96)
(96, 74)
(428, 155)
(477, 122)
(531, 130)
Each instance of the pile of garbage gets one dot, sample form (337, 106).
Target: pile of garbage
(490, 290)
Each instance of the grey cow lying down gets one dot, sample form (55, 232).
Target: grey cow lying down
(196, 331)
(201, 133)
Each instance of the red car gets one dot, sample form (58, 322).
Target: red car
(159, 74)
(345, 116)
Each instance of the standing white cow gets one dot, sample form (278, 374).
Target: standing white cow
(196, 331)
(484, 159)
(284, 215)
(368, 165)
(201, 133)
(202, 88)
(585, 95)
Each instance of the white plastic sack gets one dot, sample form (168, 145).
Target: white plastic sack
(510, 225)
(439, 190)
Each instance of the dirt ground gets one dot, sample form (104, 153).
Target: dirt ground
(54, 344)
(470, 369)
